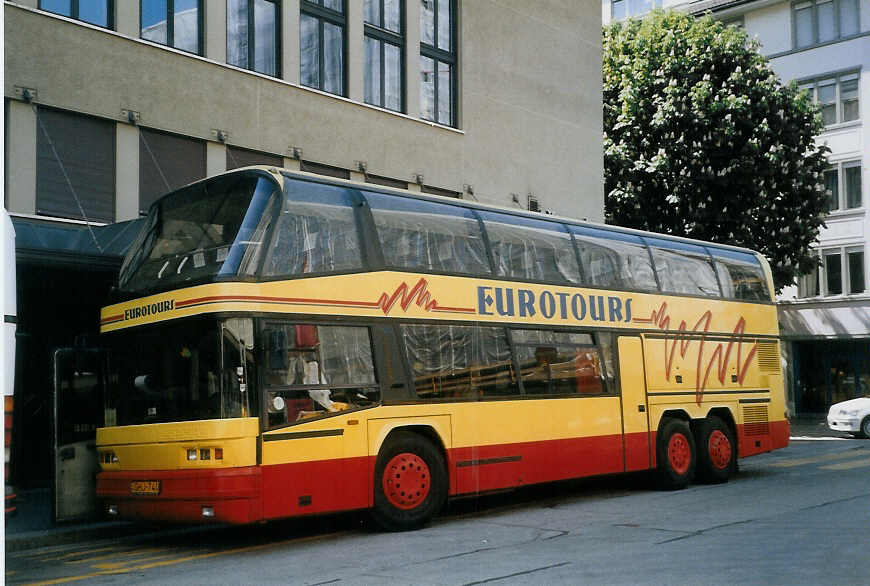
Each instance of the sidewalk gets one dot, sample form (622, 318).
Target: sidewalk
(31, 526)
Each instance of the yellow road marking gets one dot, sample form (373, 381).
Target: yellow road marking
(847, 465)
(80, 552)
(814, 460)
(121, 553)
(126, 564)
(201, 556)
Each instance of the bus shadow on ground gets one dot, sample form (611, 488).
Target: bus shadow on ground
(221, 537)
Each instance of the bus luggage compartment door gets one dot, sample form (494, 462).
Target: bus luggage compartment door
(77, 412)
(635, 411)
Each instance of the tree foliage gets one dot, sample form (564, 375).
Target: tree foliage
(701, 139)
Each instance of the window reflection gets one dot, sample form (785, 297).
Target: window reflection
(321, 45)
(252, 35)
(316, 370)
(96, 12)
(459, 362)
(179, 29)
(559, 363)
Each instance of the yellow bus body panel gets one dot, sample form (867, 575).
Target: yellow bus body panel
(164, 446)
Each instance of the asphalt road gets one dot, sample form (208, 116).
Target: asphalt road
(797, 516)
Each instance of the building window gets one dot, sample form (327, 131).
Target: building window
(836, 95)
(855, 267)
(98, 12)
(833, 272)
(322, 45)
(843, 183)
(820, 21)
(841, 270)
(384, 54)
(253, 35)
(167, 162)
(176, 23)
(75, 166)
(438, 61)
(620, 9)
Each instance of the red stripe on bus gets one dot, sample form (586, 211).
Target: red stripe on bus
(214, 298)
(112, 318)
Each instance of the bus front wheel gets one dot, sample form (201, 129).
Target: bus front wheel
(410, 482)
(675, 453)
(717, 451)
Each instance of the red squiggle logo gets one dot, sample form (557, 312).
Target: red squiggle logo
(419, 292)
(662, 320)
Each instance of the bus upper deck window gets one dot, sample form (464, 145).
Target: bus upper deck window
(316, 232)
(741, 275)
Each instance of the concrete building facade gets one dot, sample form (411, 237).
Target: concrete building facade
(824, 46)
(111, 103)
(524, 117)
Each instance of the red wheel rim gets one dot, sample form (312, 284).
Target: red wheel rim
(679, 453)
(719, 448)
(406, 481)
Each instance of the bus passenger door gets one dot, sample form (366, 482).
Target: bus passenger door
(79, 386)
(635, 416)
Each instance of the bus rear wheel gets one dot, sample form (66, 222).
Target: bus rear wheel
(717, 451)
(675, 455)
(410, 482)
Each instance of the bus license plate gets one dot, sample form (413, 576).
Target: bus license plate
(151, 487)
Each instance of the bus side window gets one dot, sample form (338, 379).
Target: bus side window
(324, 370)
(559, 363)
(460, 362)
(614, 260)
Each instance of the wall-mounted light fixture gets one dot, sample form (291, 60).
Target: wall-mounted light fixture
(27, 94)
(294, 153)
(131, 116)
(418, 178)
(220, 135)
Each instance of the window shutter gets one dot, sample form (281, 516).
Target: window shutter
(86, 149)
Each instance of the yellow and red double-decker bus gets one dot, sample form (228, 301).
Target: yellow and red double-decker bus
(291, 345)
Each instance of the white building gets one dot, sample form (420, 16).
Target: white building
(824, 45)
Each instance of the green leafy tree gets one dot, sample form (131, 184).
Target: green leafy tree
(701, 139)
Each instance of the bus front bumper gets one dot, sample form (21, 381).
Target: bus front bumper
(222, 495)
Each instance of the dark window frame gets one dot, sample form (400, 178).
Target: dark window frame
(315, 9)
(448, 57)
(252, 38)
(812, 85)
(170, 26)
(814, 16)
(74, 13)
(385, 36)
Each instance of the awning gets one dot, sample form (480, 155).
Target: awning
(841, 319)
(44, 242)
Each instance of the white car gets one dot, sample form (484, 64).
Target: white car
(852, 416)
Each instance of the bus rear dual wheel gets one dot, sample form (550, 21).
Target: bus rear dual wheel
(410, 482)
(710, 453)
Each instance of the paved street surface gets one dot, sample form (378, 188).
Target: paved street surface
(797, 516)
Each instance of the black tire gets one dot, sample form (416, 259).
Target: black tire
(865, 428)
(675, 455)
(411, 459)
(717, 451)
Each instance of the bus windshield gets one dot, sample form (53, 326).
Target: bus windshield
(198, 369)
(211, 229)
